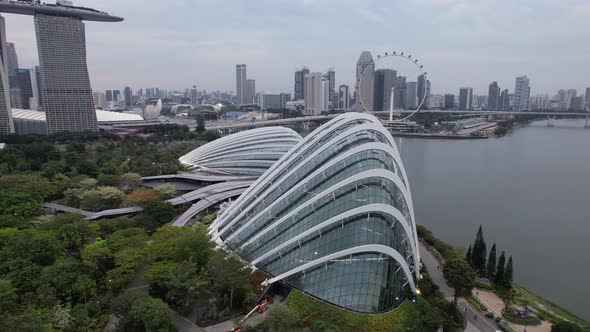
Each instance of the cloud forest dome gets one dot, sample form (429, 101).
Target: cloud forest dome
(333, 217)
(247, 153)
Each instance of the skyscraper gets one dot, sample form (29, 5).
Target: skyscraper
(494, 97)
(128, 96)
(240, 84)
(364, 88)
(399, 95)
(504, 102)
(6, 124)
(11, 58)
(422, 89)
(67, 95)
(343, 97)
(449, 101)
(588, 96)
(99, 99)
(411, 95)
(300, 83)
(25, 86)
(194, 96)
(250, 92)
(117, 96)
(384, 82)
(109, 95)
(522, 92)
(313, 94)
(331, 77)
(465, 98)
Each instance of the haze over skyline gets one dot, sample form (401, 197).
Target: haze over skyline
(175, 44)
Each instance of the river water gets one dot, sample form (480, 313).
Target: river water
(531, 192)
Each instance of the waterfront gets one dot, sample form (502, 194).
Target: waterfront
(529, 189)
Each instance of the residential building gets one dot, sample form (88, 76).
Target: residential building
(449, 101)
(522, 92)
(504, 102)
(313, 94)
(241, 77)
(364, 94)
(466, 98)
(300, 83)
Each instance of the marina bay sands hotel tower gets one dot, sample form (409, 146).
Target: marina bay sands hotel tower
(61, 42)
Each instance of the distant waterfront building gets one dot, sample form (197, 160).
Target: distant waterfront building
(494, 97)
(449, 101)
(109, 95)
(384, 83)
(117, 96)
(325, 97)
(365, 89)
(313, 94)
(241, 74)
(25, 88)
(522, 92)
(399, 95)
(423, 89)
(570, 94)
(128, 96)
(250, 92)
(343, 97)
(12, 58)
(465, 98)
(269, 101)
(6, 123)
(300, 84)
(577, 104)
(588, 96)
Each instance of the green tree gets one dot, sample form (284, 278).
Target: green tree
(500, 271)
(98, 258)
(102, 198)
(565, 326)
(166, 191)
(460, 276)
(18, 206)
(88, 168)
(479, 254)
(508, 274)
(161, 212)
(468, 255)
(194, 246)
(200, 123)
(130, 181)
(151, 315)
(492, 263)
(8, 297)
(229, 275)
(29, 319)
(73, 236)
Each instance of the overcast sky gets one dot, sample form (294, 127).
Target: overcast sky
(177, 43)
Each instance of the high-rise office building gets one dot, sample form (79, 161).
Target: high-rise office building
(99, 99)
(6, 124)
(588, 97)
(67, 95)
(109, 96)
(128, 96)
(25, 88)
(365, 88)
(11, 58)
(465, 98)
(412, 95)
(449, 101)
(331, 77)
(194, 96)
(504, 102)
(399, 94)
(116, 96)
(300, 83)
(250, 92)
(522, 92)
(570, 94)
(313, 94)
(241, 74)
(343, 97)
(494, 97)
(384, 82)
(422, 89)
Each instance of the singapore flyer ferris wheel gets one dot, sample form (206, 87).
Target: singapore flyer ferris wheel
(406, 57)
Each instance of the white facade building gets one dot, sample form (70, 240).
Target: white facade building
(313, 94)
(522, 92)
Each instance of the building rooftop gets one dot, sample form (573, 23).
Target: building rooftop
(34, 8)
(103, 117)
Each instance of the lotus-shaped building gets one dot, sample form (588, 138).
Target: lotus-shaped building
(247, 153)
(333, 218)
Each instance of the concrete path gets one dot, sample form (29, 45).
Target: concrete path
(476, 322)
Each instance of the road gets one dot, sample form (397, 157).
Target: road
(476, 322)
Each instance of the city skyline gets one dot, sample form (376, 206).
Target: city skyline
(450, 63)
